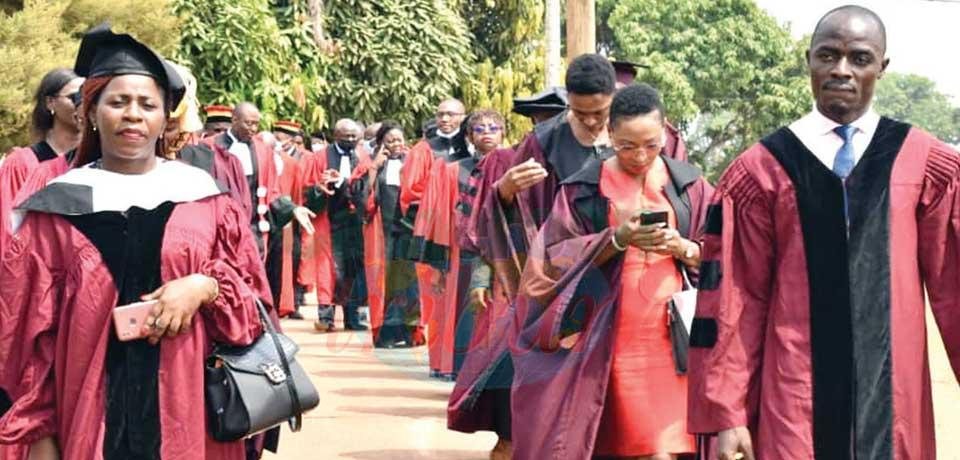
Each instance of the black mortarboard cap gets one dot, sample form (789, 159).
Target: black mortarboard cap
(626, 71)
(104, 53)
(552, 99)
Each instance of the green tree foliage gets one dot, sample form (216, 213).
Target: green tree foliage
(729, 73)
(237, 52)
(37, 36)
(31, 44)
(507, 38)
(150, 22)
(394, 58)
(915, 99)
(308, 84)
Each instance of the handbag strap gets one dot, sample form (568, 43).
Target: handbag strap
(297, 420)
(687, 285)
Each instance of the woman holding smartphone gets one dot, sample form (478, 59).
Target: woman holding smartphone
(124, 226)
(593, 346)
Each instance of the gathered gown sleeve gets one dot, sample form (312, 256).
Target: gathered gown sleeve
(726, 340)
(236, 265)
(939, 241)
(414, 175)
(29, 308)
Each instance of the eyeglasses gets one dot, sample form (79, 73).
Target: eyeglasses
(483, 129)
(73, 97)
(449, 114)
(628, 149)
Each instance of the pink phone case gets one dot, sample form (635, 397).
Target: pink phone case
(130, 319)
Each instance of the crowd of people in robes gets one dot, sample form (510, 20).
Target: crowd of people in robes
(589, 292)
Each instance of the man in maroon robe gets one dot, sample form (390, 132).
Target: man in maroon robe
(809, 337)
(270, 210)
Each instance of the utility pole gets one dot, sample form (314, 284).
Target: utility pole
(581, 28)
(552, 28)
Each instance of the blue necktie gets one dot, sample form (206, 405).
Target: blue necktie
(843, 163)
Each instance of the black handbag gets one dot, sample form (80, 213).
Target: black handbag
(257, 387)
(681, 308)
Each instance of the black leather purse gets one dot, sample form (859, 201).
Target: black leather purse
(254, 388)
(680, 309)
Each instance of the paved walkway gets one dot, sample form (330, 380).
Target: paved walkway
(374, 404)
(379, 404)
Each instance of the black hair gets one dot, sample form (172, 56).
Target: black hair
(591, 74)
(50, 85)
(853, 11)
(385, 127)
(319, 135)
(634, 100)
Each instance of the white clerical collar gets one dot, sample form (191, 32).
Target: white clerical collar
(448, 136)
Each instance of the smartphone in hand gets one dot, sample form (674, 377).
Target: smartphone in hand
(653, 217)
(130, 320)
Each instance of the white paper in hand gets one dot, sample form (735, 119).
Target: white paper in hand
(393, 172)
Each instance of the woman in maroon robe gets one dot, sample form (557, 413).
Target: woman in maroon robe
(56, 129)
(591, 348)
(480, 400)
(392, 287)
(125, 225)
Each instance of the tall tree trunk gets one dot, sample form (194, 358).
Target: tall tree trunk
(552, 29)
(316, 17)
(581, 28)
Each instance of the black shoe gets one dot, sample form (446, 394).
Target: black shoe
(356, 327)
(295, 315)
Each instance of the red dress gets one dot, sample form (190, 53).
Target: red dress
(646, 401)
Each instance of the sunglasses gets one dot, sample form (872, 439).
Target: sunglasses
(483, 129)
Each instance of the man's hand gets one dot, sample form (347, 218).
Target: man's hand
(304, 216)
(178, 301)
(330, 176)
(520, 178)
(734, 444)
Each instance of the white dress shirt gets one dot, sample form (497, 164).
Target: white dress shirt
(242, 151)
(816, 132)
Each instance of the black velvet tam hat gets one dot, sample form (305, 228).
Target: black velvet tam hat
(550, 100)
(104, 53)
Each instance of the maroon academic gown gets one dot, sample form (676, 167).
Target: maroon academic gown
(505, 232)
(15, 171)
(415, 177)
(224, 167)
(563, 291)
(470, 407)
(57, 303)
(811, 332)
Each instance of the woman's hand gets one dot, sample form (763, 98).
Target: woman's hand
(734, 444)
(479, 296)
(44, 449)
(644, 237)
(178, 302)
(380, 158)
